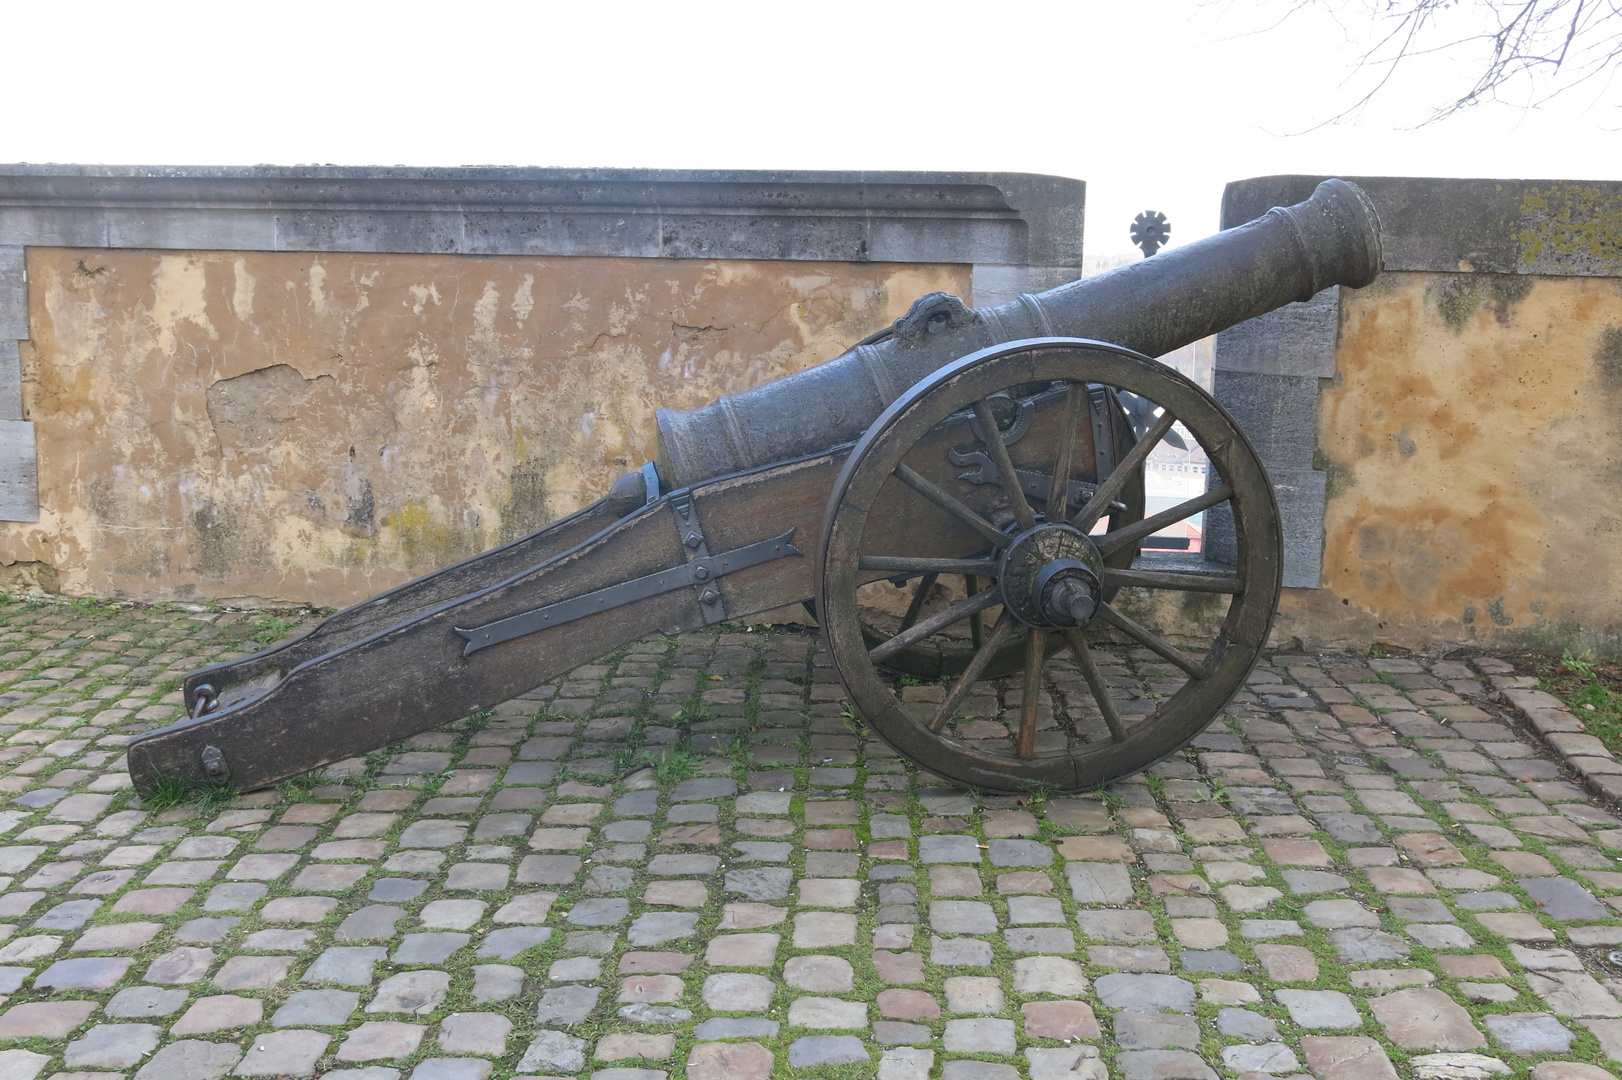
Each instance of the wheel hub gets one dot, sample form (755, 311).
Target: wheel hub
(1052, 577)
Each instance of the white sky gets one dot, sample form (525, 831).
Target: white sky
(1156, 103)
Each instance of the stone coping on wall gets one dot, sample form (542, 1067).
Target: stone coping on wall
(1562, 228)
(1019, 232)
(1018, 221)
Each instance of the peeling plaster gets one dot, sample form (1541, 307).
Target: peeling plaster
(263, 424)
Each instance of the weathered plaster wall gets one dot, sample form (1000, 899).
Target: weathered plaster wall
(1456, 420)
(321, 426)
(1474, 456)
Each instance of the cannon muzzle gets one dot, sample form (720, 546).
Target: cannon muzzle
(1152, 307)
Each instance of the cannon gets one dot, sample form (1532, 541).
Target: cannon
(983, 464)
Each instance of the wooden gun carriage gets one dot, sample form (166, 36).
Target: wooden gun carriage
(846, 480)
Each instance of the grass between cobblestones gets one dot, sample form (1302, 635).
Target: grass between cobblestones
(1312, 736)
(1591, 687)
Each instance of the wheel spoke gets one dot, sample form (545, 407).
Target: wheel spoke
(909, 565)
(919, 595)
(1151, 640)
(1036, 640)
(1111, 485)
(971, 585)
(1059, 487)
(1174, 579)
(983, 656)
(1110, 543)
(1095, 683)
(939, 621)
(1005, 465)
(952, 506)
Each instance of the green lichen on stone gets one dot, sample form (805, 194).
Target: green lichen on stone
(1340, 477)
(1572, 225)
(1456, 298)
(1609, 356)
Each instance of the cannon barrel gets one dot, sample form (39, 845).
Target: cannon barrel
(1152, 307)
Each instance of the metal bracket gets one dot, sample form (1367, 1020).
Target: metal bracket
(650, 482)
(205, 700)
(1103, 431)
(215, 767)
(692, 538)
(704, 571)
(692, 533)
(1024, 413)
(1141, 416)
(1035, 485)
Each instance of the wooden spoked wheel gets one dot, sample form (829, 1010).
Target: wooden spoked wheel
(906, 598)
(1052, 574)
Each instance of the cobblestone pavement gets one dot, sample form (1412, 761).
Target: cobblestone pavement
(1366, 869)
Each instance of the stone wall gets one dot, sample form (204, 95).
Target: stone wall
(314, 384)
(311, 384)
(1447, 438)
(312, 428)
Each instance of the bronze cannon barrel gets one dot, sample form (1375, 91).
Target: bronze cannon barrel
(1152, 307)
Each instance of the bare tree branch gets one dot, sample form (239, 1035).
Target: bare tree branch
(1525, 52)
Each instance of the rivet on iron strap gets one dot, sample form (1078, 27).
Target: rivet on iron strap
(1098, 411)
(697, 547)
